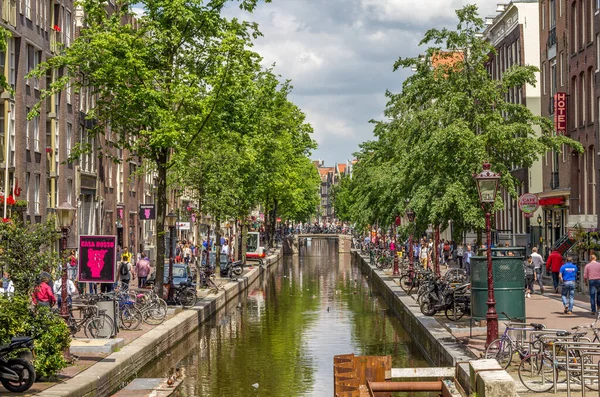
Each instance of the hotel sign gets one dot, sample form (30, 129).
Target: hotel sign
(560, 112)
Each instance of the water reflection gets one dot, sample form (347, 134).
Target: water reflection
(280, 339)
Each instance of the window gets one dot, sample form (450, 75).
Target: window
(12, 71)
(28, 9)
(38, 9)
(551, 14)
(27, 129)
(561, 70)
(69, 139)
(598, 52)
(591, 22)
(27, 183)
(87, 161)
(583, 92)
(553, 78)
(68, 93)
(36, 133)
(544, 77)
(582, 33)
(574, 26)
(597, 5)
(543, 16)
(37, 59)
(67, 28)
(590, 102)
(36, 194)
(109, 171)
(69, 191)
(34, 58)
(11, 133)
(576, 102)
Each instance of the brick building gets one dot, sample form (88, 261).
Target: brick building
(34, 153)
(568, 48)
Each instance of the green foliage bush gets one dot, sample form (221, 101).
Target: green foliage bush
(50, 332)
(51, 340)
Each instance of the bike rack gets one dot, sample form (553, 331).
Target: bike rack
(587, 370)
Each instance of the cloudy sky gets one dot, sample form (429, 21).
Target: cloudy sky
(339, 55)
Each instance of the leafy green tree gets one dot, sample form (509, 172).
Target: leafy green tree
(449, 118)
(159, 82)
(342, 198)
(26, 250)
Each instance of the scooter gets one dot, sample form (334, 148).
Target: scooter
(16, 374)
(236, 268)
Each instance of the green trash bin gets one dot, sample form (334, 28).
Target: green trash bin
(509, 283)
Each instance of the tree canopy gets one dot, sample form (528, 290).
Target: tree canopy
(450, 117)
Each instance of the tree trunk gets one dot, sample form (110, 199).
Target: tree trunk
(208, 245)
(238, 238)
(218, 241)
(273, 224)
(161, 210)
(243, 239)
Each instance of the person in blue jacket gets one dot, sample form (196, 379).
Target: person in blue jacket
(568, 277)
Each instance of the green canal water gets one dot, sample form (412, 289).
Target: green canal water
(279, 339)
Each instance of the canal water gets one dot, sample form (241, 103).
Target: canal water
(279, 339)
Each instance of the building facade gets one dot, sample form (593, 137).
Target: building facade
(514, 33)
(568, 48)
(104, 185)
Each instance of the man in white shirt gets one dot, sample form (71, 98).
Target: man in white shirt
(538, 263)
(57, 289)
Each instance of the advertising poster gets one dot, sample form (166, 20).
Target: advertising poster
(97, 259)
(147, 212)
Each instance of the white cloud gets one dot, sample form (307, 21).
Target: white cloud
(339, 55)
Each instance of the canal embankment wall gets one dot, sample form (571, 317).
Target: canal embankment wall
(437, 344)
(114, 371)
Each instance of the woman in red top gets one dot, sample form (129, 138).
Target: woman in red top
(42, 294)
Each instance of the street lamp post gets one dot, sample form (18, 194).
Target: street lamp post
(539, 221)
(171, 222)
(395, 228)
(410, 214)
(487, 187)
(64, 219)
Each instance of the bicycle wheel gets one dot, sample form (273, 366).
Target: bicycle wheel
(427, 307)
(537, 373)
(500, 349)
(455, 311)
(154, 312)
(100, 326)
(406, 283)
(187, 298)
(131, 318)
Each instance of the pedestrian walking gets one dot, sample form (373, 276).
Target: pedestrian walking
(467, 259)
(530, 276)
(142, 269)
(591, 275)
(42, 293)
(124, 273)
(554, 263)
(460, 252)
(57, 290)
(537, 261)
(567, 275)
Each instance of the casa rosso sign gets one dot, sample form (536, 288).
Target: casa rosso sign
(528, 204)
(560, 112)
